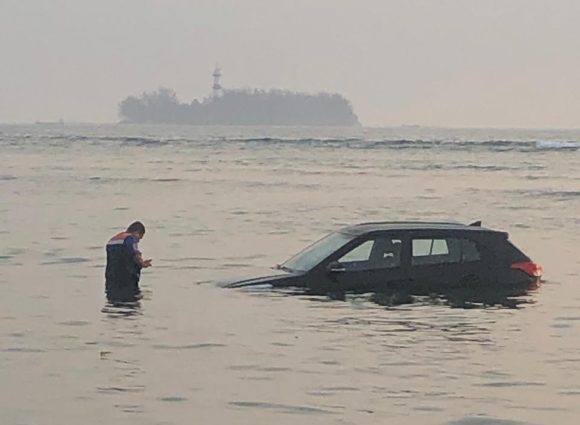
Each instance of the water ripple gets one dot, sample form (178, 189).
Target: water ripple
(282, 408)
(188, 346)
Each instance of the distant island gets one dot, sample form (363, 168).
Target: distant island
(240, 107)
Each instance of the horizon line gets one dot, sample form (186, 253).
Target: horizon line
(362, 126)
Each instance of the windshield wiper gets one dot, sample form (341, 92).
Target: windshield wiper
(281, 267)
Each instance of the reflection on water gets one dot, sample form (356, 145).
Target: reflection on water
(122, 309)
(466, 298)
(509, 297)
(121, 361)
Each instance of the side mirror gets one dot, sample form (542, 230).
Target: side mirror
(335, 267)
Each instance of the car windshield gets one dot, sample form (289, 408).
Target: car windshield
(318, 251)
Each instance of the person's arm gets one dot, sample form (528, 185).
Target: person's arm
(142, 263)
(133, 246)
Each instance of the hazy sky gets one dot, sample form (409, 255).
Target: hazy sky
(486, 63)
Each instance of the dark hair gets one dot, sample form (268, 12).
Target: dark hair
(136, 227)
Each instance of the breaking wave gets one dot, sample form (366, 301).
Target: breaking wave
(448, 141)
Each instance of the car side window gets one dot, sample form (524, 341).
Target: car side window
(422, 247)
(443, 251)
(425, 248)
(360, 253)
(439, 247)
(381, 252)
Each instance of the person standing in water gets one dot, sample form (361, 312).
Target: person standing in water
(124, 264)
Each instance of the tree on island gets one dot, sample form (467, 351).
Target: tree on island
(240, 107)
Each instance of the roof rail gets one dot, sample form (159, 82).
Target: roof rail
(410, 222)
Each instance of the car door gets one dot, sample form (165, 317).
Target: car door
(441, 262)
(434, 263)
(371, 264)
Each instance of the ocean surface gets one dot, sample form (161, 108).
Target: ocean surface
(225, 202)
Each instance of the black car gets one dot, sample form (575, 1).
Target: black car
(419, 257)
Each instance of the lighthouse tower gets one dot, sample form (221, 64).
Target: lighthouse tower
(217, 87)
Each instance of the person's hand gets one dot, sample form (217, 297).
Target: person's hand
(147, 263)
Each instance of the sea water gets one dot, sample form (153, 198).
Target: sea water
(224, 202)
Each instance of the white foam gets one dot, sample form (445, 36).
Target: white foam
(557, 145)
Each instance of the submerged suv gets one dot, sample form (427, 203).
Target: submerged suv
(410, 256)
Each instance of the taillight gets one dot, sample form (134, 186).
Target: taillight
(529, 267)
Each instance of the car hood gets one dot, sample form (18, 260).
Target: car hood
(262, 276)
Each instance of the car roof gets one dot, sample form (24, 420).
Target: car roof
(362, 228)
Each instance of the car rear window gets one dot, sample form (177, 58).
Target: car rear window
(511, 253)
(443, 251)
